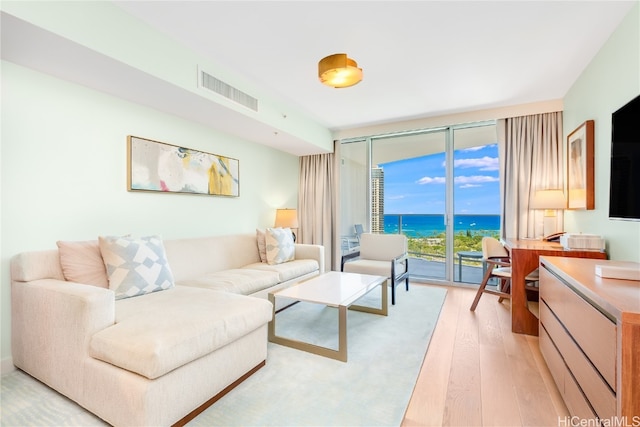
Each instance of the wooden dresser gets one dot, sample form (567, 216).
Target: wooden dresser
(590, 337)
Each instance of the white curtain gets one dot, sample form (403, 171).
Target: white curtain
(531, 151)
(317, 211)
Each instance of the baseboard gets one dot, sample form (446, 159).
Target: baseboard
(6, 366)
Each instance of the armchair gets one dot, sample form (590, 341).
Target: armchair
(382, 255)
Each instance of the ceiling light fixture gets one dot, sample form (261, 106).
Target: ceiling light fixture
(339, 71)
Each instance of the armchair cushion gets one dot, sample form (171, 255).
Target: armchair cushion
(368, 266)
(382, 247)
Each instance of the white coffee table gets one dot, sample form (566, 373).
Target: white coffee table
(334, 289)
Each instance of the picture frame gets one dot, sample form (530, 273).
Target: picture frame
(154, 166)
(580, 165)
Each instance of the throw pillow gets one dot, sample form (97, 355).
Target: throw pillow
(280, 247)
(81, 262)
(135, 266)
(262, 245)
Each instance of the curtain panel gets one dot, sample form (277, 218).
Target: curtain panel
(531, 153)
(317, 212)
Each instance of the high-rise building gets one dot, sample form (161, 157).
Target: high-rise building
(377, 200)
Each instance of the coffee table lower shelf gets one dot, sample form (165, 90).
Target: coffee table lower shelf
(341, 352)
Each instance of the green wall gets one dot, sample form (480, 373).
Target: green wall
(64, 163)
(609, 81)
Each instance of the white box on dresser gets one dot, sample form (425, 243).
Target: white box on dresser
(590, 337)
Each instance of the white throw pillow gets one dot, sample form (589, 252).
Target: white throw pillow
(135, 266)
(280, 247)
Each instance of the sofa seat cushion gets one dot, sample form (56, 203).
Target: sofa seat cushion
(238, 281)
(159, 332)
(288, 270)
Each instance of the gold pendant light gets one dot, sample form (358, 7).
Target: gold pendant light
(339, 71)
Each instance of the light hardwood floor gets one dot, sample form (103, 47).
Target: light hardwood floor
(478, 373)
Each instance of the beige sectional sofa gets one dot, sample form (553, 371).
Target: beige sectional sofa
(156, 358)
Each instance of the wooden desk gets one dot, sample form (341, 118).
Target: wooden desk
(525, 257)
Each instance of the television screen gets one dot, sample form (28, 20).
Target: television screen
(624, 193)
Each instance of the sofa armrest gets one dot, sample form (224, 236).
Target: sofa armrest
(52, 322)
(306, 251)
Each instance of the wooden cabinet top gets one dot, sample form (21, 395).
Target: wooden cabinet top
(614, 296)
(548, 247)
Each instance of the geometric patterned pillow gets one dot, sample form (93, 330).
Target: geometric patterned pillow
(135, 266)
(280, 247)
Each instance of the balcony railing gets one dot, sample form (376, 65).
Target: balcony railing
(427, 244)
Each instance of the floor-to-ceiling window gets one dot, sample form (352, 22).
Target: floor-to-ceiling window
(439, 187)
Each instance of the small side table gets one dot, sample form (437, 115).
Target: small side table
(472, 255)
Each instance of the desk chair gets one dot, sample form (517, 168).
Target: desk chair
(380, 255)
(498, 264)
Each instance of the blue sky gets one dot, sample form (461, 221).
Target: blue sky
(417, 186)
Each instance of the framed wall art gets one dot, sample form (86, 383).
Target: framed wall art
(166, 168)
(580, 179)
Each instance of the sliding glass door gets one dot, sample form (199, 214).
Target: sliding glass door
(476, 198)
(439, 187)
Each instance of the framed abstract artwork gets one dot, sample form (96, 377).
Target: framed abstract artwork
(580, 179)
(166, 168)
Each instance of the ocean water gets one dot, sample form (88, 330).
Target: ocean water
(428, 225)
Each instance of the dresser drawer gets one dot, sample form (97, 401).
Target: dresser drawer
(567, 386)
(553, 358)
(593, 331)
(595, 389)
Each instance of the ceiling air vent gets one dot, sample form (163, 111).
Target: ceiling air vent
(218, 86)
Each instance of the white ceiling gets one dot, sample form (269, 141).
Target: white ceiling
(420, 58)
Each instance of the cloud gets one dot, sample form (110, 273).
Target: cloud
(478, 147)
(470, 185)
(432, 180)
(484, 163)
(463, 181)
(398, 197)
(475, 179)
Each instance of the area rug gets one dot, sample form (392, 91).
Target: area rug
(295, 388)
(372, 388)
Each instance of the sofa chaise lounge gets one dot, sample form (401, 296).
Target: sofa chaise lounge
(159, 358)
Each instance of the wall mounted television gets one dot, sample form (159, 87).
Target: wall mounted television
(624, 193)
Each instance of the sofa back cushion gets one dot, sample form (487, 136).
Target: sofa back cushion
(198, 256)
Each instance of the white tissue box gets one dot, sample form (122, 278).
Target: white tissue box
(582, 241)
(616, 272)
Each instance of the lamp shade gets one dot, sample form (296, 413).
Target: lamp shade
(286, 218)
(549, 199)
(338, 71)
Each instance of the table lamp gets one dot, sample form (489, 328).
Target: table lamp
(550, 200)
(287, 218)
